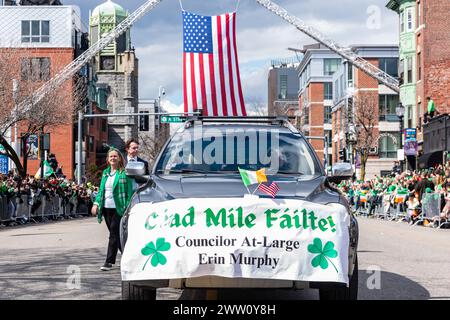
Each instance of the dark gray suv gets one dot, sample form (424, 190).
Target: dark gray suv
(182, 171)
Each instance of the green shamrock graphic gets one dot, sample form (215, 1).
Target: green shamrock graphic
(154, 252)
(323, 255)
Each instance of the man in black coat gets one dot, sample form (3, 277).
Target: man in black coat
(132, 149)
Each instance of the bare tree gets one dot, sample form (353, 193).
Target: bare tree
(256, 109)
(365, 106)
(151, 145)
(55, 109)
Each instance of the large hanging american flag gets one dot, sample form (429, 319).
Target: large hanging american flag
(211, 77)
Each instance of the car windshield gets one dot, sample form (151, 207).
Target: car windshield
(225, 150)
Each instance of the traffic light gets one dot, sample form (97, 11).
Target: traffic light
(343, 155)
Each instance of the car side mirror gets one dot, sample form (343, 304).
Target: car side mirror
(136, 170)
(341, 171)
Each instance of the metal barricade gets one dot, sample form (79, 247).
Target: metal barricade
(5, 213)
(22, 207)
(431, 207)
(82, 208)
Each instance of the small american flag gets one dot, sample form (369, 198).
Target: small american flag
(271, 190)
(211, 78)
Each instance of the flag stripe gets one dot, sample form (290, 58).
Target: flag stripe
(215, 56)
(202, 82)
(213, 84)
(230, 65)
(208, 102)
(193, 89)
(236, 63)
(221, 68)
(186, 105)
(188, 83)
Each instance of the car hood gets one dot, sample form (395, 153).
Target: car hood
(225, 186)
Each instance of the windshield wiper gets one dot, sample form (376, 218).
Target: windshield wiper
(289, 173)
(182, 171)
(190, 171)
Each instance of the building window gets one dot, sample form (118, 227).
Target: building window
(330, 66)
(349, 75)
(409, 20)
(144, 122)
(387, 148)
(410, 116)
(402, 21)
(387, 105)
(410, 69)
(419, 66)
(107, 63)
(35, 69)
(283, 87)
(327, 114)
(306, 115)
(328, 91)
(389, 65)
(401, 71)
(91, 144)
(35, 31)
(104, 125)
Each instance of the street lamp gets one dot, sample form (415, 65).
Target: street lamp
(400, 111)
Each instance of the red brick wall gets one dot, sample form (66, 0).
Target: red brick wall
(316, 118)
(436, 53)
(61, 137)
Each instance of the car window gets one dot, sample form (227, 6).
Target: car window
(219, 150)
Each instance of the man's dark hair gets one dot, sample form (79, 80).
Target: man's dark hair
(129, 142)
(428, 98)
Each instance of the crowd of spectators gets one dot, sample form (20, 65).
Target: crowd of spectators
(410, 190)
(14, 188)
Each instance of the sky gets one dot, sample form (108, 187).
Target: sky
(261, 37)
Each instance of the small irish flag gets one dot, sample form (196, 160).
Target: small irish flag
(252, 177)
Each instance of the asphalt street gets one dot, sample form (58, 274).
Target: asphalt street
(61, 260)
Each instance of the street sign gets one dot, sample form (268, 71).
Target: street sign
(410, 145)
(172, 119)
(4, 167)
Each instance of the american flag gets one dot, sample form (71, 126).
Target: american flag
(271, 190)
(211, 77)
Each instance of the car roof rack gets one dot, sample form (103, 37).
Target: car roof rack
(277, 120)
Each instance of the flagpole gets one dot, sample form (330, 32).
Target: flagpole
(256, 188)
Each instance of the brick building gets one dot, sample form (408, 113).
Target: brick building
(45, 43)
(316, 94)
(351, 88)
(424, 57)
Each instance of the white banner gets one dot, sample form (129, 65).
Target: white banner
(248, 237)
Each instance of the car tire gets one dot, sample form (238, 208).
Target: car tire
(343, 293)
(133, 292)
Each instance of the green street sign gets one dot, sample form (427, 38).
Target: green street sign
(171, 119)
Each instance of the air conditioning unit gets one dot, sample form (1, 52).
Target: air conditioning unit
(373, 151)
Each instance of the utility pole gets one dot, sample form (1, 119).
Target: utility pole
(16, 134)
(80, 145)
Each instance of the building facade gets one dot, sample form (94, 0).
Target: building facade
(424, 58)
(283, 87)
(117, 72)
(44, 43)
(315, 96)
(353, 89)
